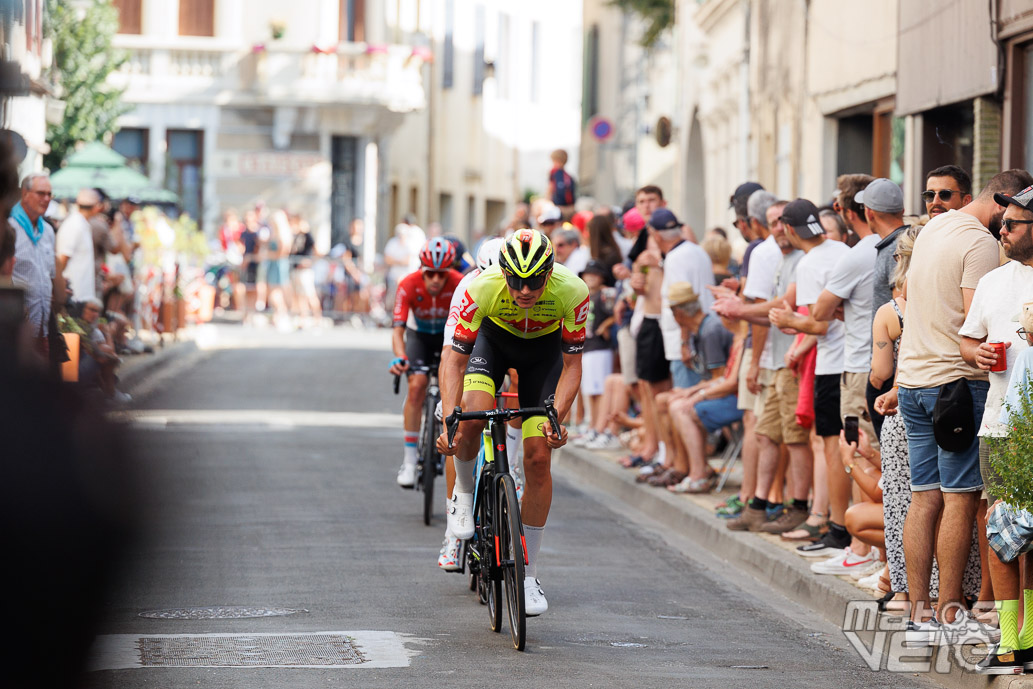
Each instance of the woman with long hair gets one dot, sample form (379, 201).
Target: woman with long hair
(601, 244)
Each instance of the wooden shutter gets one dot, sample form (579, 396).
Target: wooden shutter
(130, 16)
(196, 17)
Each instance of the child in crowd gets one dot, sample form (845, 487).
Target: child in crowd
(597, 361)
(562, 187)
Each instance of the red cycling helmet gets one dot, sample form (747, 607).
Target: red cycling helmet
(437, 254)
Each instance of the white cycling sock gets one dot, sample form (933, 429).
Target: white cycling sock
(464, 476)
(514, 446)
(533, 539)
(409, 454)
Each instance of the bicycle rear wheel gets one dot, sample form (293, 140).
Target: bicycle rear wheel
(511, 554)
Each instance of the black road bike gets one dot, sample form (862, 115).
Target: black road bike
(497, 553)
(430, 463)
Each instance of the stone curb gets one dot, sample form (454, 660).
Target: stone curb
(777, 568)
(137, 367)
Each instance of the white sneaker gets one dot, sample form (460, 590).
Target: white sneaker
(862, 571)
(407, 475)
(460, 515)
(871, 581)
(448, 559)
(534, 598)
(965, 629)
(586, 439)
(844, 563)
(121, 397)
(605, 441)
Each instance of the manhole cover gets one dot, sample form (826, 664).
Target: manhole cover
(249, 650)
(218, 612)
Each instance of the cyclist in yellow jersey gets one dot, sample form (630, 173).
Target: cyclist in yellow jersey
(528, 314)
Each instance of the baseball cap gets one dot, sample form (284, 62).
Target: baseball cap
(802, 216)
(881, 195)
(741, 196)
(681, 293)
(1024, 199)
(550, 214)
(633, 221)
(596, 267)
(663, 219)
(581, 218)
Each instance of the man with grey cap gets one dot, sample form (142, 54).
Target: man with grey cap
(851, 286)
(884, 210)
(75, 250)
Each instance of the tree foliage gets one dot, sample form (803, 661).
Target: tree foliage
(1012, 457)
(658, 14)
(83, 59)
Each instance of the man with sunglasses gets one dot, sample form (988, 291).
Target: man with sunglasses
(947, 188)
(420, 313)
(34, 263)
(529, 314)
(998, 296)
(951, 254)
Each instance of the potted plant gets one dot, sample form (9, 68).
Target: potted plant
(277, 29)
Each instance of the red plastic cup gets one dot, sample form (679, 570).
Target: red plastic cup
(1002, 357)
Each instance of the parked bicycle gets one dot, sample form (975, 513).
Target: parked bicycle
(497, 552)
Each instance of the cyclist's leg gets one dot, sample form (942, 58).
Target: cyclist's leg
(483, 377)
(416, 352)
(537, 386)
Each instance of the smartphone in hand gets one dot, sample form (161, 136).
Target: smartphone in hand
(850, 428)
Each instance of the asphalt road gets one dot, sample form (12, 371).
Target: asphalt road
(271, 463)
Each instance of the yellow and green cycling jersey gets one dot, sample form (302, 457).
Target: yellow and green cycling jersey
(564, 306)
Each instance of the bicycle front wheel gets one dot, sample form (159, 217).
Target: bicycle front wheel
(491, 574)
(511, 555)
(430, 462)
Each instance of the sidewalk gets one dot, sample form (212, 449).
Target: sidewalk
(137, 367)
(764, 557)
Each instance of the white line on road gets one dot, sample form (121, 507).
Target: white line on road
(276, 418)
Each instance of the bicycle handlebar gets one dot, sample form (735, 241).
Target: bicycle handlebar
(425, 370)
(457, 415)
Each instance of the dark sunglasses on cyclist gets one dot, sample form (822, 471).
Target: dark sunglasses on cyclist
(535, 282)
(436, 274)
(1010, 223)
(945, 194)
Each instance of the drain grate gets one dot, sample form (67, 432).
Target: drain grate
(249, 650)
(218, 612)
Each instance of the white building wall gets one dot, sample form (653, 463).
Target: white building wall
(488, 148)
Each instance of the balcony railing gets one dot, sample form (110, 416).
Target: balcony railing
(199, 70)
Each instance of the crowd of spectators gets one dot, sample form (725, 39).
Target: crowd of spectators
(860, 357)
(74, 268)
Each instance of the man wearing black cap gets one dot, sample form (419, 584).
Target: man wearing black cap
(994, 317)
(814, 272)
(951, 254)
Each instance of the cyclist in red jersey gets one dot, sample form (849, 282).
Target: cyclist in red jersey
(421, 309)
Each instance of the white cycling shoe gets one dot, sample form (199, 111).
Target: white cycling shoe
(448, 559)
(534, 598)
(407, 475)
(460, 515)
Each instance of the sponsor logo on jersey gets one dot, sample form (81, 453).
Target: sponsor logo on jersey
(478, 361)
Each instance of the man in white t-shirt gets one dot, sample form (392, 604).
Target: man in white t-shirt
(994, 316)
(852, 286)
(74, 247)
(683, 261)
(814, 272)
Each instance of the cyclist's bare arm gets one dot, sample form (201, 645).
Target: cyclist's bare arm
(398, 346)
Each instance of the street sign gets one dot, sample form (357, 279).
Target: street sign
(601, 128)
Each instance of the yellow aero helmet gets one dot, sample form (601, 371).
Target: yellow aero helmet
(527, 254)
